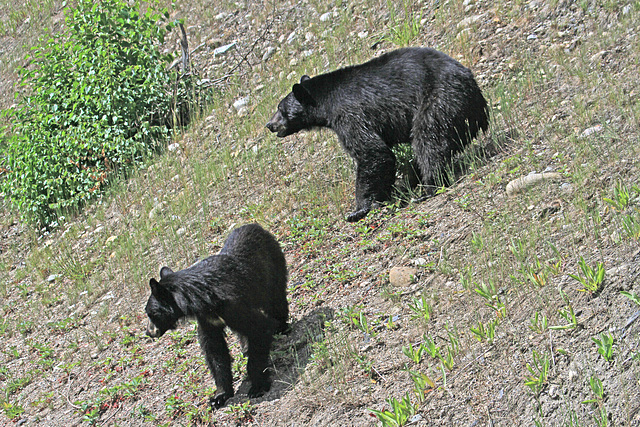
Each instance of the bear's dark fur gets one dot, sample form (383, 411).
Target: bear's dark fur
(244, 288)
(412, 95)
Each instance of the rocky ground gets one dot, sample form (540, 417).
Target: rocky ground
(562, 81)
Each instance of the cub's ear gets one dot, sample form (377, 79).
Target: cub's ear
(303, 95)
(164, 272)
(155, 287)
(304, 78)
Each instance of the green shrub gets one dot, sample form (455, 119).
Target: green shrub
(97, 100)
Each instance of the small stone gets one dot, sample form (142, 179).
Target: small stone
(402, 276)
(173, 147)
(326, 16)
(416, 418)
(268, 53)
(181, 231)
(469, 21)
(52, 277)
(241, 103)
(591, 131)
(532, 37)
(223, 49)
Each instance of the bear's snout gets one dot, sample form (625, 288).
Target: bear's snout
(152, 330)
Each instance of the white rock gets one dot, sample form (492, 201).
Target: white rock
(268, 53)
(241, 103)
(591, 131)
(223, 49)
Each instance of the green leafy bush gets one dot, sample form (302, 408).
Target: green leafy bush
(97, 101)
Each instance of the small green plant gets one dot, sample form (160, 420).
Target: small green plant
(477, 242)
(447, 360)
(539, 372)
(487, 333)
(420, 308)
(354, 316)
(537, 278)
(632, 296)
(492, 299)
(12, 410)
(539, 323)
(569, 315)
(401, 411)
(421, 382)
(591, 278)
(403, 31)
(600, 412)
(605, 345)
(242, 412)
(430, 347)
(519, 249)
(631, 225)
(413, 353)
(621, 197)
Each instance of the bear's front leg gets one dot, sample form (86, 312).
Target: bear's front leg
(375, 175)
(216, 353)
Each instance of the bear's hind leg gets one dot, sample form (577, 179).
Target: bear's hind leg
(216, 353)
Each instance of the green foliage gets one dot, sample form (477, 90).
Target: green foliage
(632, 296)
(401, 411)
(488, 333)
(597, 402)
(591, 278)
(96, 103)
(420, 308)
(605, 346)
(539, 373)
(402, 30)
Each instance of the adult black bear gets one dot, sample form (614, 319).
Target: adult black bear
(416, 95)
(243, 287)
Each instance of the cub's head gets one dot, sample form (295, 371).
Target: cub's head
(162, 307)
(293, 111)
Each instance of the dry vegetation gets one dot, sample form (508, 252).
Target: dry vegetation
(503, 320)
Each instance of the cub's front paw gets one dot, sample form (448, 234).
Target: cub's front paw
(357, 215)
(219, 400)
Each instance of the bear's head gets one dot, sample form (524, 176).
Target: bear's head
(293, 113)
(163, 308)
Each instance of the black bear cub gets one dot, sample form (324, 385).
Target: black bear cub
(244, 288)
(411, 95)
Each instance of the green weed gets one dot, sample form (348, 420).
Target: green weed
(539, 372)
(401, 411)
(604, 345)
(597, 402)
(591, 278)
(420, 308)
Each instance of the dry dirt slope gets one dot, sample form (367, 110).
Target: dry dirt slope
(563, 84)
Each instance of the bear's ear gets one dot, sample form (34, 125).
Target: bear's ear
(164, 272)
(304, 78)
(155, 287)
(303, 95)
